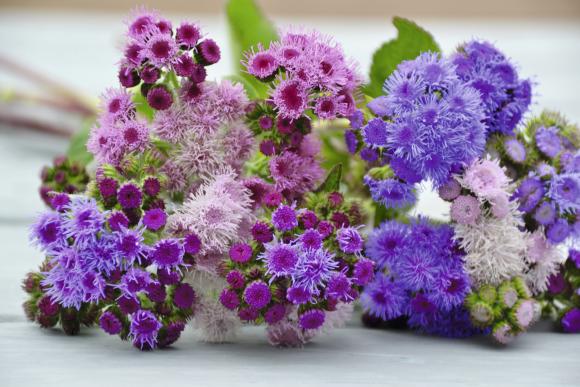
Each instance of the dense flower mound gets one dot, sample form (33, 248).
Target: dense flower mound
(308, 77)
(420, 277)
(301, 266)
(428, 124)
(506, 97)
(100, 256)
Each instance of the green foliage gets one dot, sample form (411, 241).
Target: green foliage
(332, 181)
(249, 27)
(77, 148)
(411, 41)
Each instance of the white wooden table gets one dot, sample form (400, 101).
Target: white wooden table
(81, 49)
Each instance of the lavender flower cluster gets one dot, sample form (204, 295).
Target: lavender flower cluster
(545, 161)
(302, 269)
(308, 77)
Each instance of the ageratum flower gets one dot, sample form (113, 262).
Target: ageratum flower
(506, 97)
(433, 120)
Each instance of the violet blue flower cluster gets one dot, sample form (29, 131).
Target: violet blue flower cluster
(420, 277)
(505, 97)
(303, 267)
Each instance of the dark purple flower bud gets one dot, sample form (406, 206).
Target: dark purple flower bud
(209, 52)
(150, 74)
(184, 296)
(128, 77)
(159, 98)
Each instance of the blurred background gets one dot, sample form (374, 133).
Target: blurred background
(57, 56)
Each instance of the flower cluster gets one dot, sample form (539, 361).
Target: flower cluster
(427, 125)
(100, 257)
(155, 51)
(64, 176)
(507, 309)
(420, 277)
(545, 161)
(307, 71)
(308, 77)
(505, 97)
(300, 268)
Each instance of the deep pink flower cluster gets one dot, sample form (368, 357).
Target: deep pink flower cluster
(155, 51)
(300, 266)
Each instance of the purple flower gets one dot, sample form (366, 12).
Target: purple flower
(571, 321)
(257, 295)
(339, 287)
(144, 329)
(60, 201)
(128, 304)
(391, 193)
(117, 221)
(356, 119)
(505, 97)
(280, 259)
(130, 244)
(160, 49)
(151, 186)
(110, 323)
(84, 221)
(154, 219)
(383, 298)
(314, 269)
(192, 244)
(187, 34)
(229, 299)
(291, 98)
(241, 252)
(261, 232)
(275, 314)
(235, 279)
(167, 276)
(548, 141)
(129, 196)
(565, 192)
(545, 214)
(349, 240)
(265, 122)
(529, 193)
(48, 231)
(209, 51)
(167, 253)
(298, 295)
(465, 209)
(574, 256)
(284, 218)
(311, 239)
(108, 187)
(363, 271)
(308, 219)
(312, 319)
(351, 141)
(47, 306)
(450, 190)
(156, 292)
(262, 64)
(515, 150)
(183, 296)
(385, 242)
(325, 228)
(248, 314)
(375, 133)
(558, 231)
(159, 98)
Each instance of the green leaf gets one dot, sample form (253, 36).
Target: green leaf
(248, 27)
(77, 148)
(332, 181)
(142, 106)
(411, 41)
(249, 86)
